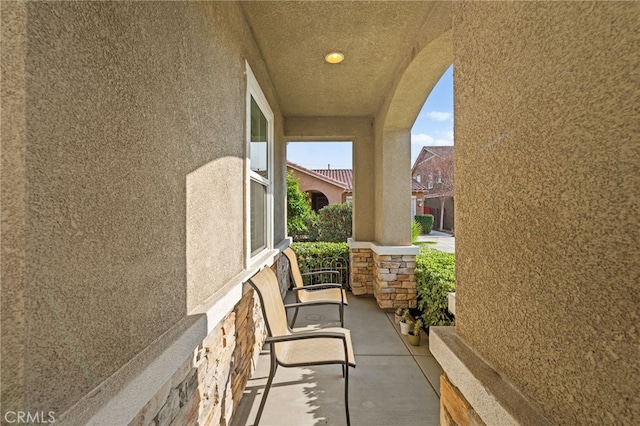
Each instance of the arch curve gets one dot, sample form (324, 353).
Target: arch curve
(417, 82)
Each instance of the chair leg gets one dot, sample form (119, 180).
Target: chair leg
(341, 308)
(272, 372)
(346, 392)
(295, 315)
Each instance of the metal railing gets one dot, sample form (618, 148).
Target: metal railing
(313, 264)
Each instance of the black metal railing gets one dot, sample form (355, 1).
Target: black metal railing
(313, 264)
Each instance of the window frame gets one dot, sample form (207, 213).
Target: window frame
(255, 91)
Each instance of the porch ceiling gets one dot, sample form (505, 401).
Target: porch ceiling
(375, 37)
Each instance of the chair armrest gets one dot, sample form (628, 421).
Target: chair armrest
(306, 335)
(315, 286)
(321, 286)
(316, 302)
(314, 335)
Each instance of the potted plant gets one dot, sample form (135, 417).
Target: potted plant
(405, 322)
(398, 315)
(414, 333)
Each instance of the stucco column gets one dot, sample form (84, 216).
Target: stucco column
(364, 188)
(385, 267)
(392, 162)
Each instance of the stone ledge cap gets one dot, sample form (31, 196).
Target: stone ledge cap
(383, 250)
(451, 302)
(495, 400)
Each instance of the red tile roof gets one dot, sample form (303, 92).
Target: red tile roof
(317, 175)
(344, 177)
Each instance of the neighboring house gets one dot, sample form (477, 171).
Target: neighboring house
(331, 186)
(434, 169)
(323, 188)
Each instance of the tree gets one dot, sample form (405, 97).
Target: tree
(441, 171)
(298, 207)
(335, 222)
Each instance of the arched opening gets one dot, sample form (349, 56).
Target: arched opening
(318, 200)
(392, 150)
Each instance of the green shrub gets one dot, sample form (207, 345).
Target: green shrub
(312, 222)
(299, 212)
(315, 256)
(416, 230)
(335, 223)
(435, 279)
(426, 221)
(320, 249)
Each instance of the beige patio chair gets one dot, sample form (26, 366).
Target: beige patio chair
(318, 294)
(290, 348)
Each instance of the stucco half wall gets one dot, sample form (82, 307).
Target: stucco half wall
(546, 125)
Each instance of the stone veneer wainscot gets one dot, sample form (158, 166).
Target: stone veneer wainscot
(209, 385)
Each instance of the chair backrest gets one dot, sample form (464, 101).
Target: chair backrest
(265, 283)
(294, 269)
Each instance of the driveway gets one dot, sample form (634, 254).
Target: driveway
(443, 241)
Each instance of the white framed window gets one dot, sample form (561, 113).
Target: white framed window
(259, 171)
(430, 183)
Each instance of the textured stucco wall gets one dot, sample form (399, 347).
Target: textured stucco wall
(13, 202)
(392, 159)
(547, 184)
(133, 144)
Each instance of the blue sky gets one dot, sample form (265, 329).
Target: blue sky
(434, 126)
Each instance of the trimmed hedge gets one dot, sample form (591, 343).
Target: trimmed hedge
(320, 249)
(426, 221)
(435, 279)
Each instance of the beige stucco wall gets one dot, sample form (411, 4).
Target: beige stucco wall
(547, 128)
(124, 140)
(392, 156)
(12, 201)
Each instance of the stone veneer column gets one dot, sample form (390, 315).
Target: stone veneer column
(394, 278)
(361, 275)
(387, 272)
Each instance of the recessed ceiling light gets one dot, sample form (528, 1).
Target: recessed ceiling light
(334, 57)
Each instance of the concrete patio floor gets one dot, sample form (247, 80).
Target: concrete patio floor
(393, 384)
